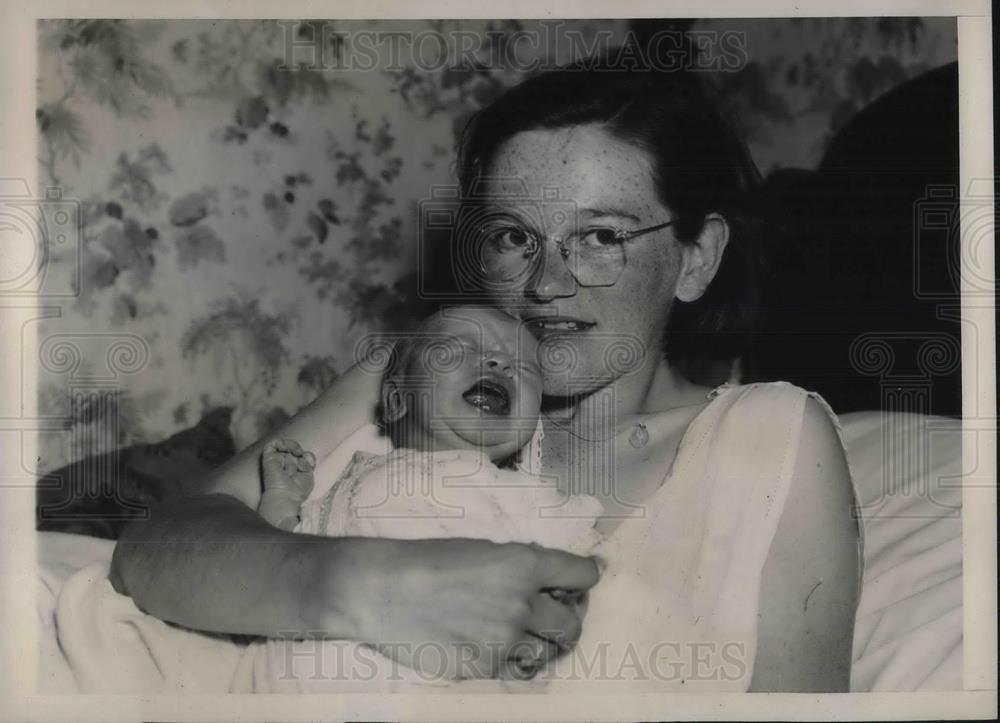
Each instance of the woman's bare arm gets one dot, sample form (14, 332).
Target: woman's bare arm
(207, 560)
(809, 587)
(210, 562)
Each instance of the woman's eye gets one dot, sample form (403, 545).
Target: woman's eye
(507, 239)
(602, 237)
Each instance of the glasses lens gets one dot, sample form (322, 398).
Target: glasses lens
(595, 259)
(506, 251)
(499, 242)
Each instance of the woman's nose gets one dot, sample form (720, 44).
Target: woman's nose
(552, 279)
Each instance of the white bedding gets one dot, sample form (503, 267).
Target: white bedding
(97, 641)
(909, 625)
(908, 634)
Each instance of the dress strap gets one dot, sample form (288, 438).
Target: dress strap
(718, 390)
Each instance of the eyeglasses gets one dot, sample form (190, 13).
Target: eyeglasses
(509, 252)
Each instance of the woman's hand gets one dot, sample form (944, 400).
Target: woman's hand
(453, 608)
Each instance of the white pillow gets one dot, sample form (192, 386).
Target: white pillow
(907, 471)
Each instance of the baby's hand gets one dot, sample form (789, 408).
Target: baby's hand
(286, 466)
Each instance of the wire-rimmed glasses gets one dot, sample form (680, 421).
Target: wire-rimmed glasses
(509, 251)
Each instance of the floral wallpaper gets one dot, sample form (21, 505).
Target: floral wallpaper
(244, 226)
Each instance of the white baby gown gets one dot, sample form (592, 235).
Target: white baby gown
(413, 495)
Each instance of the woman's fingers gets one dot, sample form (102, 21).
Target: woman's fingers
(564, 570)
(474, 599)
(528, 656)
(533, 648)
(554, 621)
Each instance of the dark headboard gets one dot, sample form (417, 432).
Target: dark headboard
(861, 292)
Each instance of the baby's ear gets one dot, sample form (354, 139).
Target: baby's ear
(393, 403)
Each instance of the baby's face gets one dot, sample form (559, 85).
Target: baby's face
(472, 380)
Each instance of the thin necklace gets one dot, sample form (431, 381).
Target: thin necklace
(639, 436)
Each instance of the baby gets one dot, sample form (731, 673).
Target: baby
(461, 403)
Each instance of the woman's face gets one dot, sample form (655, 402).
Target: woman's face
(578, 179)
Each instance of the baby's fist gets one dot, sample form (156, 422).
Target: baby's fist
(285, 465)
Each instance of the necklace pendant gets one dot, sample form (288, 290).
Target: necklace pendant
(639, 436)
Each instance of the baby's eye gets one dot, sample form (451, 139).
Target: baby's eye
(442, 355)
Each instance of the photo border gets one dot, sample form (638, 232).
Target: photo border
(17, 539)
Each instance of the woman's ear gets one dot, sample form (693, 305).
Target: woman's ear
(393, 403)
(702, 258)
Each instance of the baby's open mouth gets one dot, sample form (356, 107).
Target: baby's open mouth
(488, 396)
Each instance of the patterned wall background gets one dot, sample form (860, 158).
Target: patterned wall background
(247, 226)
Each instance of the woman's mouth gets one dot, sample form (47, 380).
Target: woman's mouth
(490, 397)
(558, 323)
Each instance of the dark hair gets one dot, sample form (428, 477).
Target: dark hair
(700, 167)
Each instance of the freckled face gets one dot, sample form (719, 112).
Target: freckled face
(593, 334)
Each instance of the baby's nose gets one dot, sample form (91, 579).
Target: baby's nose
(498, 361)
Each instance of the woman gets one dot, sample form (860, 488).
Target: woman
(610, 209)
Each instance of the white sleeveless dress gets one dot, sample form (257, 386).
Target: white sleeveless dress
(676, 608)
